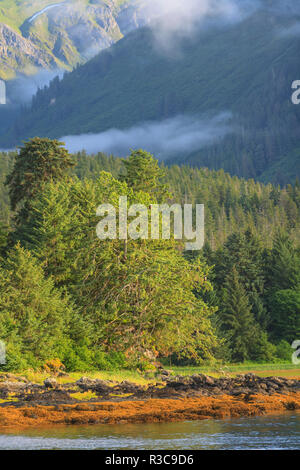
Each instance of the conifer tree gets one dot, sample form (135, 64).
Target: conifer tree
(285, 309)
(3, 238)
(34, 316)
(143, 173)
(244, 252)
(283, 264)
(236, 318)
(39, 161)
(146, 302)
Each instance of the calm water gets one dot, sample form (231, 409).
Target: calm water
(272, 432)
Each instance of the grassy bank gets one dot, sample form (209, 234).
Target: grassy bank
(262, 370)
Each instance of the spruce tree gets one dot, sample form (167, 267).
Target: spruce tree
(282, 264)
(244, 252)
(285, 308)
(236, 317)
(3, 238)
(34, 315)
(146, 302)
(38, 161)
(143, 173)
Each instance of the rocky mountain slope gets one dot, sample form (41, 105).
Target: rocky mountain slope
(43, 34)
(246, 69)
(20, 54)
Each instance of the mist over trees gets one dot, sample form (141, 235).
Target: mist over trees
(146, 95)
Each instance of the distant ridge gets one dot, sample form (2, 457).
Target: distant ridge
(246, 69)
(39, 34)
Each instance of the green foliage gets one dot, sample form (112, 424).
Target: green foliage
(3, 238)
(236, 318)
(34, 316)
(139, 299)
(285, 307)
(39, 161)
(6, 165)
(108, 304)
(247, 341)
(243, 252)
(82, 357)
(144, 174)
(231, 204)
(284, 350)
(283, 264)
(228, 201)
(262, 349)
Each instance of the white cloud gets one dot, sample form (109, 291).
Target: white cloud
(181, 134)
(292, 31)
(179, 19)
(23, 88)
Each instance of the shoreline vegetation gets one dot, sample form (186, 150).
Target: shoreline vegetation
(91, 304)
(56, 370)
(63, 399)
(70, 302)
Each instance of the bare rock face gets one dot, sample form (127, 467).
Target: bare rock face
(19, 53)
(75, 32)
(133, 15)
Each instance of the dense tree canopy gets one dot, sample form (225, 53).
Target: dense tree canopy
(92, 303)
(39, 161)
(34, 316)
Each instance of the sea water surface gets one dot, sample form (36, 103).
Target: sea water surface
(268, 432)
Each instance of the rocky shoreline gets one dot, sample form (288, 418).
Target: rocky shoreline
(90, 401)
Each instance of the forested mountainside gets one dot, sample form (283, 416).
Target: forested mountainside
(39, 34)
(245, 69)
(231, 204)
